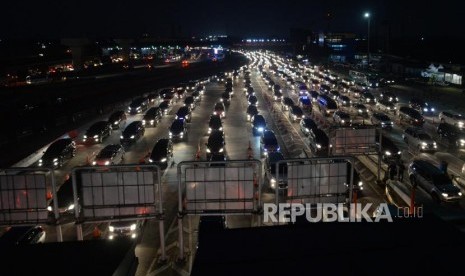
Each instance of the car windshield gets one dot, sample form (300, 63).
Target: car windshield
(97, 126)
(115, 116)
(137, 102)
(423, 136)
(441, 180)
(270, 140)
(297, 111)
(56, 148)
(106, 153)
(383, 117)
(159, 150)
(177, 125)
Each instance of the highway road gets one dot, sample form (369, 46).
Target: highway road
(238, 136)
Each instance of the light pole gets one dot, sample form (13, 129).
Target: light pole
(367, 16)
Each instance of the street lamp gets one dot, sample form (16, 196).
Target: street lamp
(367, 16)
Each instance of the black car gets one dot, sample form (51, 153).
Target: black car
(161, 153)
(276, 87)
(153, 97)
(197, 96)
(249, 92)
(65, 195)
(58, 152)
(389, 150)
(367, 98)
(184, 113)
(382, 120)
(318, 141)
(190, 102)
(360, 110)
(252, 100)
(132, 133)
(422, 106)
(191, 85)
(277, 95)
(117, 118)
(306, 125)
(452, 133)
(271, 175)
(411, 115)
(251, 111)
(97, 132)
(168, 97)
(295, 113)
(314, 95)
(226, 97)
(219, 109)
(178, 130)
(258, 124)
(215, 143)
(152, 117)
(268, 142)
(199, 90)
(23, 235)
(138, 105)
(389, 96)
(286, 103)
(215, 123)
(165, 107)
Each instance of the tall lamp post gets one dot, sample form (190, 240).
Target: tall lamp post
(367, 16)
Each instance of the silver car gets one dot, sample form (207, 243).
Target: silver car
(417, 138)
(109, 155)
(452, 118)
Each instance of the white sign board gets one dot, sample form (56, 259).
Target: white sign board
(354, 141)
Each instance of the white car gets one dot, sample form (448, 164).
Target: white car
(452, 118)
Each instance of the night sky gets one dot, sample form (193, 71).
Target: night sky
(117, 18)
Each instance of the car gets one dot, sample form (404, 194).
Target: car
(277, 88)
(178, 130)
(200, 90)
(152, 117)
(286, 103)
(22, 235)
(389, 96)
(314, 95)
(133, 132)
(418, 139)
(153, 97)
(454, 135)
(389, 151)
(117, 118)
(360, 110)
(334, 94)
(342, 118)
(268, 142)
(452, 118)
(197, 96)
(434, 181)
(65, 195)
(225, 98)
(162, 153)
(168, 97)
(138, 105)
(110, 155)
(318, 142)
(367, 98)
(219, 109)
(190, 102)
(251, 111)
(295, 113)
(57, 153)
(97, 132)
(306, 125)
(252, 100)
(215, 123)
(165, 107)
(305, 102)
(271, 85)
(411, 115)
(180, 93)
(324, 89)
(191, 86)
(343, 100)
(277, 95)
(326, 105)
(382, 120)
(125, 229)
(422, 106)
(271, 177)
(249, 92)
(258, 124)
(215, 143)
(183, 113)
(386, 106)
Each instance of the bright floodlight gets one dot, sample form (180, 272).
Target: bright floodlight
(367, 14)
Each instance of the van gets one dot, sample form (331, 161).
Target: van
(326, 105)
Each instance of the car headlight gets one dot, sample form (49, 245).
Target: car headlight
(95, 136)
(445, 194)
(132, 136)
(40, 160)
(432, 109)
(423, 144)
(360, 111)
(70, 207)
(399, 152)
(115, 123)
(85, 137)
(343, 121)
(49, 208)
(55, 160)
(111, 228)
(107, 163)
(221, 150)
(121, 137)
(459, 194)
(425, 109)
(260, 129)
(163, 160)
(388, 153)
(208, 150)
(133, 227)
(94, 163)
(143, 122)
(460, 124)
(272, 182)
(318, 146)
